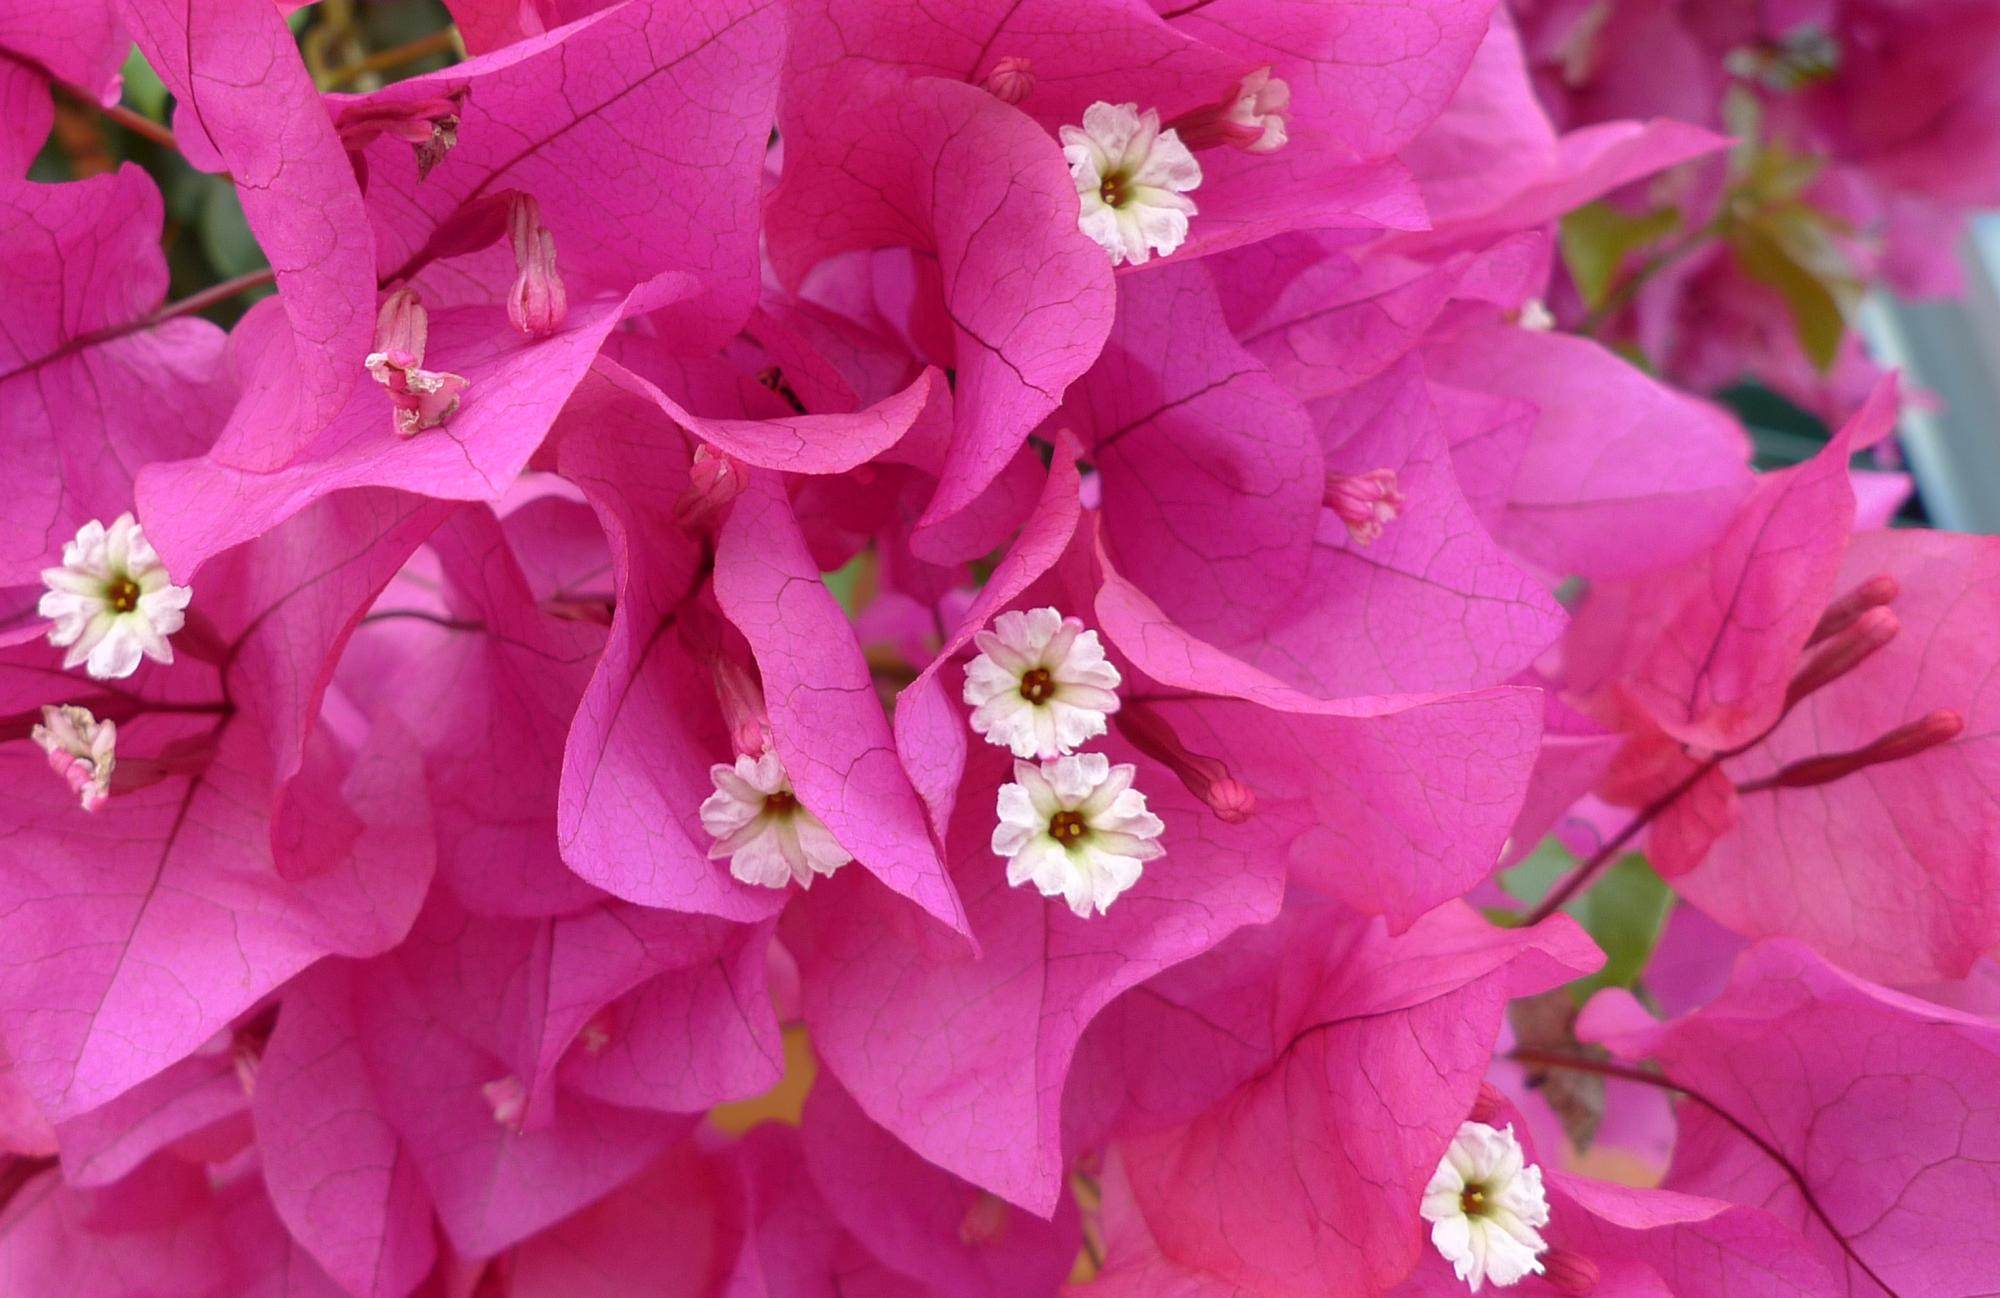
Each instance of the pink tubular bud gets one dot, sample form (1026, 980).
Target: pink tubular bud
(1839, 615)
(1366, 502)
(1488, 1105)
(1011, 80)
(1907, 740)
(1571, 1272)
(1847, 649)
(422, 398)
(1252, 118)
(536, 304)
(742, 700)
(714, 479)
(1230, 799)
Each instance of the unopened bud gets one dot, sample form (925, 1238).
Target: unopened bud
(1366, 502)
(1011, 80)
(1488, 1106)
(1848, 648)
(1569, 1271)
(985, 1222)
(508, 1099)
(82, 751)
(1839, 615)
(537, 303)
(1907, 740)
(1206, 778)
(422, 398)
(1251, 119)
(743, 712)
(714, 479)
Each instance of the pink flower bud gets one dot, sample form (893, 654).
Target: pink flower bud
(81, 751)
(1853, 645)
(1252, 118)
(1011, 80)
(1907, 740)
(1366, 502)
(1488, 1106)
(985, 1222)
(1571, 1272)
(422, 398)
(1229, 798)
(536, 304)
(1839, 615)
(742, 701)
(508, 1099)
(714, 479)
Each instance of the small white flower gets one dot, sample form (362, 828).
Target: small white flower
(1132, 179)
(759, 824)
(111, 601)
(1484, 1204)
(1077, 829)
(1041, 686)
(81, 751)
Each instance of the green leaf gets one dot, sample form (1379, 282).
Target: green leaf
(1596, 239)
(1623, 910)
(853, 583)
(1812, 300)
(144, 90)
(225, 235)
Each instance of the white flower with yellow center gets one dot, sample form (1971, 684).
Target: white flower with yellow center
(1076, 829)
(1132, 179)
(759, 824)
(111, 601)
(1485, 1204)
(81, 749)
(1041, 686)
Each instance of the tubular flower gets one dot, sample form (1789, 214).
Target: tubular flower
(759, 824)
(1132, 179)
(1485, 1205)
(1077, 829)
(1041, 685)
(111, 601)
(80, 751)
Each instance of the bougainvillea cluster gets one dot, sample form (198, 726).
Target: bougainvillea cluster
(991, 647)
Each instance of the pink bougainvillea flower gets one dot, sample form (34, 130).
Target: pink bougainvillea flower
(254, 837)
(84, 369)
(1790, 1079)
(111, 602)
(1352, 1065)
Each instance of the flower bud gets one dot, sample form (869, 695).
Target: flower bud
(1571, 1272)
(1839, 615)
(537, 303)
(1907, 740)
(1846, 650)
(743, 712)
(1366, 502)
(1489, 1106)
(422, 398)
(714, 479)
(508, 1099)
(1230, 799)
(1011, 80)
(985, 1222)
(1251, 119)
(81, 751)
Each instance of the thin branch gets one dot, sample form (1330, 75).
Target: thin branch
(213, 295)
(444, 41)
(1626, 1072)
(1559, 896)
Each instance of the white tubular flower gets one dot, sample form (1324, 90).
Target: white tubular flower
(111, 601)
(1485, 1204)
(81, 751)
(758, 823)
(1041, 686)
(1132, 179)
(1077, 829)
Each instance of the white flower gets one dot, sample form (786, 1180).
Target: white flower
(80, 749)
(1484, 1205)
(1077, 829)
(1132, 179)
(111, 601)
(1041, 686)
(759, 824)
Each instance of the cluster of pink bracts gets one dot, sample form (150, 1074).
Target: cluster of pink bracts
(438, 784)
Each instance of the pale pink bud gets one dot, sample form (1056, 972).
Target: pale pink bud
(508, 1099)
(714, 479)
(536, 304)
(1206, 778)
(1252, 118)
(81, 751)
(985, 1222)
(1366, 502)
(1011, 80)
(1571, 1272)
(422, 398)
(743, 712)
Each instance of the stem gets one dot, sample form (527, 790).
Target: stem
(213, 295)
(1628, 1073)
(137, 123)
(1559, 896)
(444, 41)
